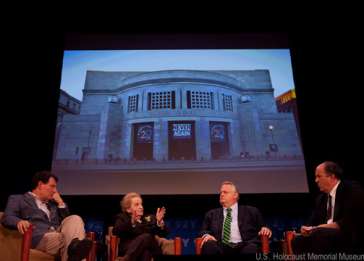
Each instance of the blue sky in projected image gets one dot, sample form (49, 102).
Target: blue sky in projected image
(76, 63)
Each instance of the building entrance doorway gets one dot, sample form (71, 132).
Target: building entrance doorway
(181, 140)
(219, 140)
(143, 141)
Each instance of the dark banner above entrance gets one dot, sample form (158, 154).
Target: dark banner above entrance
(145, 133)
(182, 130)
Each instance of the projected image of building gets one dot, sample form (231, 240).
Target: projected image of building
(176, 115)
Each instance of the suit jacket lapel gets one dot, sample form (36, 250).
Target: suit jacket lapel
(338, 200)
(241, 219)
(29, 199)
(53, 211)
(220, 222)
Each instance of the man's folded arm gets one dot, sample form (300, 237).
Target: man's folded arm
(63, 211)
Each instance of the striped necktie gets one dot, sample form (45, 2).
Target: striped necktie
(227, 227)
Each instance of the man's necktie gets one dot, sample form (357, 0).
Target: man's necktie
(227, 227)
(329, 208)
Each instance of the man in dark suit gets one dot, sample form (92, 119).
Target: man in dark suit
(54, 230)
(137, 231)
(232, 229)
(335, 222)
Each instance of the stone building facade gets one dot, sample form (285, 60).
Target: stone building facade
(177, 115)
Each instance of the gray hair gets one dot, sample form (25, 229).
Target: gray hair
(125, 202)
(231, 184)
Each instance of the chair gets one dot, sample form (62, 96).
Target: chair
(264, 241)
(15, 246)
(169, 247)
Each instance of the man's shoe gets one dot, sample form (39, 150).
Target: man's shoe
(79, 249)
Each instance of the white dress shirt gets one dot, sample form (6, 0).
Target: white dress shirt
(235, 236)
(333, 196)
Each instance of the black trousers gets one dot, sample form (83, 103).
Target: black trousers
(142, 248)
(217, 248)
(320, 241)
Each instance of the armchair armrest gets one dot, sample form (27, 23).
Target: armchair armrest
(265, 244)
(92, 255)
(113, 248)
(26, 244)
(288, 237)
(111, 242)
(198, 242)
(177, 246)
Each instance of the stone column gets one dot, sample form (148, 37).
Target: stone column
(160, 143)
(250, 129)
(126, 140)
(108, 143)
(235, 146)
(202, 139)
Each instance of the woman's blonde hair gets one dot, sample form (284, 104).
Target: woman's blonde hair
(125, 202)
